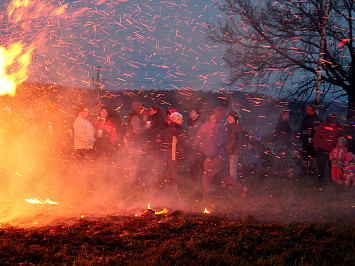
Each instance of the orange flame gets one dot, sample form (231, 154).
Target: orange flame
(16, 58)
(206, 211)
(14, 62)
(37, 201)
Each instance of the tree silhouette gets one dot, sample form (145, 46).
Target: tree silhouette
(276, 43)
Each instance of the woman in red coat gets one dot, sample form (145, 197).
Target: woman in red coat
(325, 140)
(105, 134)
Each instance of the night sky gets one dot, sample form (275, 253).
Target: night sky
(137, 44)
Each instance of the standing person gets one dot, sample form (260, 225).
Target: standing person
(175, 147)
(135, 139)
(234, 142)
(158, 122)
(195, 161)
(83, 146)
(154, 154)
(105, 133)
(310, 124)
(205, 131)
(325, 139)
(194, 123)
(282, 141)
(216, 163)
(83, 133)
(337, 157)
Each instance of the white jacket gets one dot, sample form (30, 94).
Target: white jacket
(83, 134)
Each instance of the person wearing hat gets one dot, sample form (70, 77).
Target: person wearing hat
(337, 157)
(233, 143)
(168, 113)
(325, 140)
(216, 163)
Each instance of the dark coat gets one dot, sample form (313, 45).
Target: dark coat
(235, 139)
(179, 132)
(282, 134)
(310, 124)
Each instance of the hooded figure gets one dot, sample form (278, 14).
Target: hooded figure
(337, 157)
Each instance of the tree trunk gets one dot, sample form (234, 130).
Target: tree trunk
(351, 101)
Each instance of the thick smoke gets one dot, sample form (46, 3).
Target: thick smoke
(37, 163)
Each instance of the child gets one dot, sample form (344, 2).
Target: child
(337, 156)
(349, 169)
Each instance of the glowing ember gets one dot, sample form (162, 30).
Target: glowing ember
(37, 201)
(206, 211)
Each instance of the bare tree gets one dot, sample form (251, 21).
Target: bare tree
(278, 43)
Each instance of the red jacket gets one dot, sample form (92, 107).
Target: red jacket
(326, 137)
(109, 129)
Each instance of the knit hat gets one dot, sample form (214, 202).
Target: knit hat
(174, 117)
(342, 141)
(234, 114)
(170, 111)
(219, 112)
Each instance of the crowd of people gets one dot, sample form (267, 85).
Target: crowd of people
(157, 149)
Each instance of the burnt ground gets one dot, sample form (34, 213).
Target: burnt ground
(285, 220)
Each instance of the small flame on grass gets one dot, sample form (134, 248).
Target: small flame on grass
(37, 201)
(165, 210)
(206, 211)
